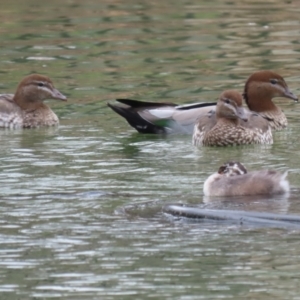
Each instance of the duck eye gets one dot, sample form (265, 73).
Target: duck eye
(274, 81)
(40, 84)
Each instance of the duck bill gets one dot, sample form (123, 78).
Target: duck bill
(242, 115)
(290, 95)
(56, 94)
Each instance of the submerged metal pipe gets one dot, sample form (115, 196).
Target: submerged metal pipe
(236, 216)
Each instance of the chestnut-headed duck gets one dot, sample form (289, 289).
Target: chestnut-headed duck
(25, 109)
(231, 124)
(150, 117)
(232, 179)
(260, 88)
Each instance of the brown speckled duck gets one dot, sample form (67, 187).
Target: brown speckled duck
(25, 109)
(151, 117)
(231, 124)
(232, 179)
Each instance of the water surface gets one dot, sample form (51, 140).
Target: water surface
(81, 204)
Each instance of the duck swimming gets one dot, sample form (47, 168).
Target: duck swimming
(260, 88)
(25, 109)
(232, 179)
(231, 124)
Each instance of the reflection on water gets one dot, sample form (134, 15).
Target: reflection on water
(81, 204)
(276, 204)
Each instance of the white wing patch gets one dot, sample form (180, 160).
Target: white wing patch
(162, 113)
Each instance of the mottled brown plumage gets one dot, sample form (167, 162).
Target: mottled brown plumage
(25, 109)
(150, 117)
(231, 125)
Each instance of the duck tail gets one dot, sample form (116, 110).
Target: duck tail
(284, 183)
(135, 120)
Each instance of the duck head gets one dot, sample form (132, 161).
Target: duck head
(232, 168)
(261, 87)
(229, 106)
(34, 89)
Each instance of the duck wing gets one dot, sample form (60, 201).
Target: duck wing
(256, 121)
(163, 117)
(10, 112)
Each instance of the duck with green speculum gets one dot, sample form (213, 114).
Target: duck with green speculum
(164, 118)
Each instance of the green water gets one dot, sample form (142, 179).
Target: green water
(81, 204)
